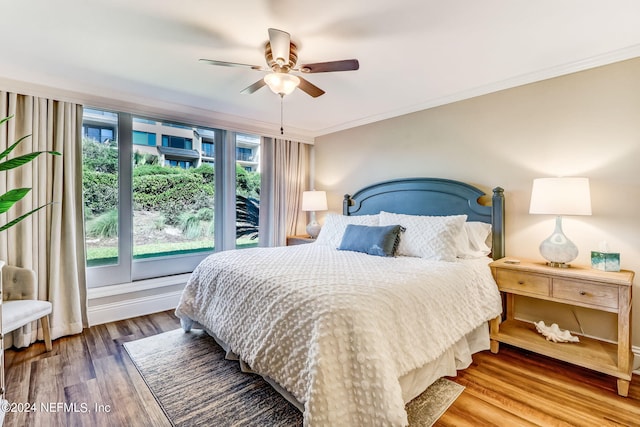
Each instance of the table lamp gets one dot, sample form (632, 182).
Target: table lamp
(560, 196)
(313, 201)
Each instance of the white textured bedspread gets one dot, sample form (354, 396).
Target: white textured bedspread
(336, 328)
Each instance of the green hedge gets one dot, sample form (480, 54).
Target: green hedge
(100, 192)
(157, 188)
(169, 190)
(142, 170)
(183, 191)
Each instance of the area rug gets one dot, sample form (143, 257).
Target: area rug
(195, 385)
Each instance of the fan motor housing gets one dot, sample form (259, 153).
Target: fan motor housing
(284, 68)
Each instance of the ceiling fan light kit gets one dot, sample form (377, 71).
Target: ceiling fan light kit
(281, 83)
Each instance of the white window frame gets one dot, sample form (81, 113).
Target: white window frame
(127, 269)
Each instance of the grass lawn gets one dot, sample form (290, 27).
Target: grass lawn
(107, 255)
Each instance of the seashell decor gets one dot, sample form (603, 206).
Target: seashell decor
(554, 333)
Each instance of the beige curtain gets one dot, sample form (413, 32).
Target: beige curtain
(50, 241)
(285, 174)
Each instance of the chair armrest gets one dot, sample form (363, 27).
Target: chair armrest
(18, 283)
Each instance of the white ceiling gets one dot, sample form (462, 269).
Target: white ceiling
(413, 54)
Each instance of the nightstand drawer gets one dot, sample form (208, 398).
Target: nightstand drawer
(299, 240)
(595, 294)
(523, 282)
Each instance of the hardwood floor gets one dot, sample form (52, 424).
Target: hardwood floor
(518, 388)
(88, 369)
(89, 380)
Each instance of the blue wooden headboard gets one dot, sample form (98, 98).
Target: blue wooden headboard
(431, 196)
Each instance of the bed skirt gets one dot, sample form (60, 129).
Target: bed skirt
(413, 383)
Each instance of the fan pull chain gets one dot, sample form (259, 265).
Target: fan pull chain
(281, 113)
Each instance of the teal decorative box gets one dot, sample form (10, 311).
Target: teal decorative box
(605, 261)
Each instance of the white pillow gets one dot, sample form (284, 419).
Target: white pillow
(429, 237)
(472, 240)
(334, 226)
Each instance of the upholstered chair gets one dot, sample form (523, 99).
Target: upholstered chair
(20, 305)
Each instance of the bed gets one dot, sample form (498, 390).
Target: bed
(349, 337)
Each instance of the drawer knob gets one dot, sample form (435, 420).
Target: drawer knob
(520, 282)
(582, 293)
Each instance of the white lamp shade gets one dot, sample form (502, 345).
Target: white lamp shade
(560, 196)
(281, 83)
(314, 201)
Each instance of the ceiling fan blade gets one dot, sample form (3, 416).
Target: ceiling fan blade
(280, 42)
(231, 64)
(325, 67)
(254, 87)
(310, 88)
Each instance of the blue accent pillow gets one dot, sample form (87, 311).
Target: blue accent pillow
(372, 240)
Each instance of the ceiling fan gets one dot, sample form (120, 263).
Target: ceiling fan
(281, 56)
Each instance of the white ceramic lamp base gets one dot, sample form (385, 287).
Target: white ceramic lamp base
(557, 249)
(313, 229)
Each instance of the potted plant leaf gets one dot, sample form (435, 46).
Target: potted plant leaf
(8, 199)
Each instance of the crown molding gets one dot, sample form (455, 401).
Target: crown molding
(537, 76)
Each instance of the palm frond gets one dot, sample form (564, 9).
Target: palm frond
(10, 198)
(21, 217)
(247, 217)
(6, 152)
(21, 160)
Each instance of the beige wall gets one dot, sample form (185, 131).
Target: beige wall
(583, 124)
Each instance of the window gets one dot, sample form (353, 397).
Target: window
(177, 142)
(184, 164)
(99, 126)
(99, 134)
(157, 210)
(243, 153)
(165, 213)
(208, 148)
(144, 138)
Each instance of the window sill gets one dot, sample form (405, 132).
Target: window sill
(137, 286)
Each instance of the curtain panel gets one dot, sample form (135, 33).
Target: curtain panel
(285, 174)
(51, 240)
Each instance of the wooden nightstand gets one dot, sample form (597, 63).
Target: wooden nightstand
(299, 240)
(577, 286)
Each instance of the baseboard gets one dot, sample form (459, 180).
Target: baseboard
(111, 312)
(636, 359)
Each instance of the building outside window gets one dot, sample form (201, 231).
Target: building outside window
(243, 153)
(248, 151)
(144, 138)
(177, 142)
(99, 126)
(208, 148)
(184, 164)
